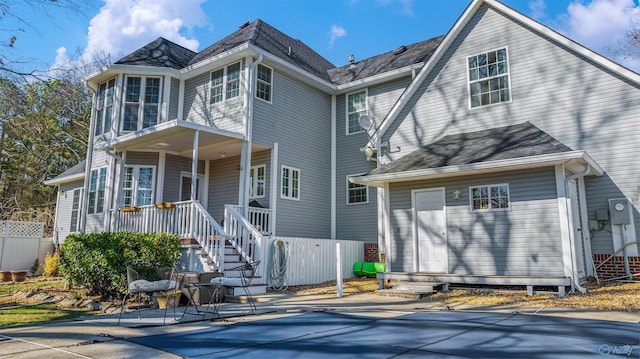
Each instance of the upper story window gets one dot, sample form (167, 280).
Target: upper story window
(256, 177)
(225, 83)
(357, 193)
(141, 103)
(104, 107)
(489, 198)
(489, 78)
(263, 83)
(290, 183)
(97, 184)
(356, 107)
(137, 186)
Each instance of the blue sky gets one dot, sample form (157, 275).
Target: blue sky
(334, 28)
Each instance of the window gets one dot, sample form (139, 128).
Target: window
(356, 106)
(490, 197)
(225, 83)
(141, 103)
(104, 107)
(256, 176)
(137, 186)
(263, 83)
(75, 211)
(489, 78)
(357, 193)
(290, 183)
(97, 184)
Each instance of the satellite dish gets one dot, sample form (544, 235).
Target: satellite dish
(365, 121)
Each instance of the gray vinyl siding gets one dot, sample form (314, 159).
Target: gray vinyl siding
(524, 240)
(142, 159)
(299, 120)
(174, 166)
(223, 185)
(173, 100)
(65, 204)
(226, 115)
(566, 95)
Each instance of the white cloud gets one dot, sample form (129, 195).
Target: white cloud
(122, 26)
(537, 9)
(336, 32)
(406, 6)
(600, 23)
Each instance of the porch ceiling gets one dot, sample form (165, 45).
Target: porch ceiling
(177, 137)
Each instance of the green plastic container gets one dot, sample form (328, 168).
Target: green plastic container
(367, 269)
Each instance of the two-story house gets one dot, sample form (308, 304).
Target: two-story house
(500, 153)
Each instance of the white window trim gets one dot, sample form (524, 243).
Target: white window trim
(270, 84)
(77, 210)
(346, 110)
(291, 169)
(254, 183)
(134, 183)
(141, 103)
(471, 209)
(508, 74)
(225, 81)
(97, 190)
(347, 191)
(104, 130)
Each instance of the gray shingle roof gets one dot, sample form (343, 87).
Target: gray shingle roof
(162, 53)
(272, 40)
(391, 60)
(521, 140)
(77, 169)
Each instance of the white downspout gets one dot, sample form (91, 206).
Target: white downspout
(575, 283)
(333, 167)
(246, 145)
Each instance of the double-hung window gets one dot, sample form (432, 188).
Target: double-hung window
(75, 210)
(225, 83)
(256, 177)
(290, 188)
(137, 186)
(489, 197)
(357, 193)
(97, 184)
(489, 78)
(356, 107)
(104, 107)
(141, 103)
(263, 83)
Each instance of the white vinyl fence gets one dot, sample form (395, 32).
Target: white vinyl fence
(19, 244)
(312, 261)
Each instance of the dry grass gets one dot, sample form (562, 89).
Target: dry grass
(610, 296)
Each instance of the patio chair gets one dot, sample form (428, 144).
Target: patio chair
(146, 279)
(247, 273)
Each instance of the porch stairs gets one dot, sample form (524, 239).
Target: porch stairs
(413, 290)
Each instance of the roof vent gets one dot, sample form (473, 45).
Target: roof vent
(290, 53)
(244, 25)
(400, 49)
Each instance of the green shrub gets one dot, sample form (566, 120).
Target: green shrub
(98, 261)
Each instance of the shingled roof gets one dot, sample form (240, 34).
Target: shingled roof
(521, 140)
(162, 53)
(400, 57)
(272, 40)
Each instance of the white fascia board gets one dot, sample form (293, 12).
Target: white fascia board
(479, 168)
(65, 179)
(115, 69)
(426, 69)
(213, 62)
(566, 42)
(165, 126)
(379, 78)
(307, 77)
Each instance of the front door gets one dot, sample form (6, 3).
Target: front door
(430, 230)
(185, 186)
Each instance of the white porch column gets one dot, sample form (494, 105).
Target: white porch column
(275, 188)
(565, 225)
(387, 228)
(204, 187)
(162, 163)
(194, 165)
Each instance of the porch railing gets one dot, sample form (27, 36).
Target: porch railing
(186, 219)
(260, 218)
(244, 236)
